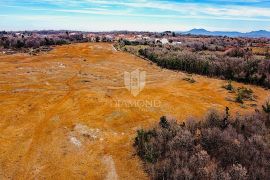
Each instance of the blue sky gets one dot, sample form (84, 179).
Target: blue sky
(149, 15)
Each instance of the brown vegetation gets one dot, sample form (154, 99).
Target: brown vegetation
(237, 66)
(218, 147)
(60, 117)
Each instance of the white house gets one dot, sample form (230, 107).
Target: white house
(164, 41)
(109, 38)
(176, 43)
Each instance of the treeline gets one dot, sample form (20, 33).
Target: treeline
(33, 40)
(16, 42)
(218, 147)
(236, 64)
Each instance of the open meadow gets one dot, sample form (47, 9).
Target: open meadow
(66, 113)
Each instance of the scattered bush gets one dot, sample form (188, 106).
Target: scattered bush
(267, 54)
(266, 109)
(229, 86)
(244, 93)
(235, 52)
(207, 149)
(247, 70)
(189, 79)
(239, 98)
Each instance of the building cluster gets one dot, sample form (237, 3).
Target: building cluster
(14, 41)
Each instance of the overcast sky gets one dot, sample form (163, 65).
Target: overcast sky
(149, 15)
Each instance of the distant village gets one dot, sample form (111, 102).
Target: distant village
(36, 41)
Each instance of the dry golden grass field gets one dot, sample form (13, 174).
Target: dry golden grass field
(61, 117)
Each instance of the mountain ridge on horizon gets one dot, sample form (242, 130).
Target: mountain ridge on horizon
(195, 31)
(201, 31)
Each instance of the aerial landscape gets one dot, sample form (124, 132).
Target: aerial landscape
(97, 89)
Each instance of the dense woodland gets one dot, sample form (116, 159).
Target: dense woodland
(236, 64)
(240, 59)
(216, 147)
(32, 40)
(17, 41)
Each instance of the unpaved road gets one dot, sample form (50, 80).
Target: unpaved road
(67, 114)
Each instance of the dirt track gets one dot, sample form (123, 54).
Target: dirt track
(67, 114)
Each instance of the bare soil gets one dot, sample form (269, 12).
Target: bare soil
(66, 114)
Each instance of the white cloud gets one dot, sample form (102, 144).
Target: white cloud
(169, 9)
(64, 10)
(188, 9)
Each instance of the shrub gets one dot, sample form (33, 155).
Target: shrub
(239, 98)
(243, 94)
(266, 109)
(189, 79)
(239, 150)
(234, 67)
(229, 86)
(235, 52)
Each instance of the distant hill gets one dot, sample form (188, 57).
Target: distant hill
(255, 34)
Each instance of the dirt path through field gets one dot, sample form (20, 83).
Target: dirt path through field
(68, 114)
